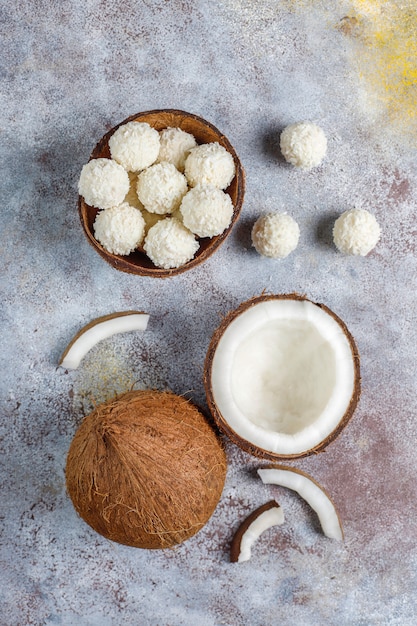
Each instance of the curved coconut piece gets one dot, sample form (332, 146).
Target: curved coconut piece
(99, 329)
(260, 520)
(282, 376)
(146, 469)
(204, 132)
(310, 490)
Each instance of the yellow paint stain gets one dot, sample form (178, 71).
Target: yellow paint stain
(386, 58)
(383, 53)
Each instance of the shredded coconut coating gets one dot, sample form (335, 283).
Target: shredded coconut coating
(169, 244)
(119, 229)
(303, 144)
(161, 188)
(209, 164)
(356, 232)
(275, 235)
(175, 146)
(135, 146)
(103, 183)
(206, 210)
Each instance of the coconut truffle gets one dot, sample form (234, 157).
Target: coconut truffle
(169, 244)
(175, 146)
(161, 187)
(135, 145)
(303, 144)
(275, 235)
(209, 164)
(103, 183)
(119, 229)
(356, 232)
(206, 210)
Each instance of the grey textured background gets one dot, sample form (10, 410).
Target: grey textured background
(70, 71)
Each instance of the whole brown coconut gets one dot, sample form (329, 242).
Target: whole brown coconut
(146, 469)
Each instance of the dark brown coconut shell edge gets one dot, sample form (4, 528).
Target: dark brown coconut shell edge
(221, 421)
(236, 541)
(204, 132)
(95, 322)
(295, 470)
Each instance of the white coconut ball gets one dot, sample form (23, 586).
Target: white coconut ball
(161, 188)
(120, 229)
(175, 146)
(169, 244)
(275, 235)
(209, 164)
(135, 145)
(356, 232)
(206, 210)
(103, 183)
(303, 144)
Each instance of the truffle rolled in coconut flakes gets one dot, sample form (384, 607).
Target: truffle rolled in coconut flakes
(103, 183)
(135, 146)
(206, 210)
(175, 146)
(161, 188)
(210, 164)
(303, 144)
(170, 244)
(146, 469)
(275, 235)
(120, 229)
(356, 232)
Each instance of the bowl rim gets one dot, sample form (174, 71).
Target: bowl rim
(124, 263)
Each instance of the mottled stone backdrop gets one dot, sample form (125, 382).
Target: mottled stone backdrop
(70, 71)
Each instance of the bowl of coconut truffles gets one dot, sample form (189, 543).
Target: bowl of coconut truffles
(160, 193)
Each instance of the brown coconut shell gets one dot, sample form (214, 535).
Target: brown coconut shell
(96, 322)
(235, 545)
(137, 262)
(295, 470)
(221, 420)
(146, 469)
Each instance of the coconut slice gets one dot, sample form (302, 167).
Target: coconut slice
(311, 492)
(99, 329)
(260, 520)
(282, 376)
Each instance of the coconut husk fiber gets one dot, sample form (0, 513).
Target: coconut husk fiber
(146, 469)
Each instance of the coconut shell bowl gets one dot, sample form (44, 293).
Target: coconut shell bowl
(204, 132)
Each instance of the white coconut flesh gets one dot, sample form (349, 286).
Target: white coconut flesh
(311, 492)
(266, 520)
(99, 329)
(283, 375)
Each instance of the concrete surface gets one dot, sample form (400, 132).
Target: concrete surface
(70, 71)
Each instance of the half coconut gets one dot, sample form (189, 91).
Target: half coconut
(282, 376)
